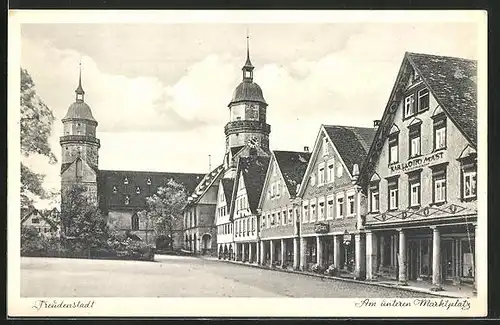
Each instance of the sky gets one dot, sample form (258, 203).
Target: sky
(160, 91)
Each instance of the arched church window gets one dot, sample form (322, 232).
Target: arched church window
(127, 200)
(135, 222)
(125, 181)
(138, 190)
(78, 168)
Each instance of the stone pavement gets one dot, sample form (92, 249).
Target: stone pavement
(449, 291)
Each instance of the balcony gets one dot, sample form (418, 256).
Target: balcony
(78, 138)
(246, 126)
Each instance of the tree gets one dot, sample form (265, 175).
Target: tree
(82, 223)
(164, 209)
(36, 125)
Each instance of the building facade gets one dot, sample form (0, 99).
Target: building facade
(222, 219)
(420, 176)
(247, 189)
(279, 214)
(45, 222)
(332, 205)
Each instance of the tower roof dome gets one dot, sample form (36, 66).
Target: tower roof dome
(248, 91)
(79, 110)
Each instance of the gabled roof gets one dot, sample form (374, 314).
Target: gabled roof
(204, 185)
(453, 82)
(227, 187)
(293, 165)
(253, 169)
(42, 214)
(351, 142)
(65, 166)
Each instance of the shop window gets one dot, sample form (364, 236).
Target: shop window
(393, 148)
(440, 133)
(414, 188)
(439, 186)
(423, 99)
(467, 258)
(414, 140)
(330, 171)
(374, 198)
(409, 105)
(321, 174)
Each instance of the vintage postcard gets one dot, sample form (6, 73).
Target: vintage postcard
(247, 163)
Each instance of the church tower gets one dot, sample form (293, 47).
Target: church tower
(247, 125)
(79, 146)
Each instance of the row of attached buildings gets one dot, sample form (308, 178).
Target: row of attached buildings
(397, 200)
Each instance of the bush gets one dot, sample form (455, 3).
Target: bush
(332, 270)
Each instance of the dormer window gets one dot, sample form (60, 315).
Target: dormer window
(148, 181)
(138, 190)
(125, 181)
(127, 200)
(115, 189)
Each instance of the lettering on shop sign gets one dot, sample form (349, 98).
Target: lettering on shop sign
(321, 228)
(416, 162)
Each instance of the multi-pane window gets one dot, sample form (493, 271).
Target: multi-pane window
(469, 188)
(263, 221)
(414, 140)
(393, 191)
(350, 205)
(340, 207)
(321, 210)
(330, 170)
(440, 133)
(305, 213)
(393, 148)
(284, 220)
(269, 222)
(439, 187)
(329, 211)
(135, 222)
(423, 99)
(279, 218)
(409, 105)
(321, 174)
(313, 212)
(278, 188)
(414, 188)
(273, 219)
(374, 198)
(290, 216)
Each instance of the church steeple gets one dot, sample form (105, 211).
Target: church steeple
(79, 91)
(248, 67)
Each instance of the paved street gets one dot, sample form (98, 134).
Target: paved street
(173, 276)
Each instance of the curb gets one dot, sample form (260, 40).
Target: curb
(397, 287)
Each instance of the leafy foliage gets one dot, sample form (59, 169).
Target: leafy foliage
(164, 208)
(36, 124)
(81, 219)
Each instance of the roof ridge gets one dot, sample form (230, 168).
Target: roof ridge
(442, 56)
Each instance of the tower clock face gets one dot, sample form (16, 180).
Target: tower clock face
(253, 142)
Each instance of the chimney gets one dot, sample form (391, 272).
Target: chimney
(306, 149)
(376, 123)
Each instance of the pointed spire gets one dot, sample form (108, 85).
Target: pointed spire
(248, 67)
(79, 91)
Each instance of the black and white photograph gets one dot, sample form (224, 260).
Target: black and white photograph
(301, 163)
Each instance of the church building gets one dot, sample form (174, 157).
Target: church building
(121, 195)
